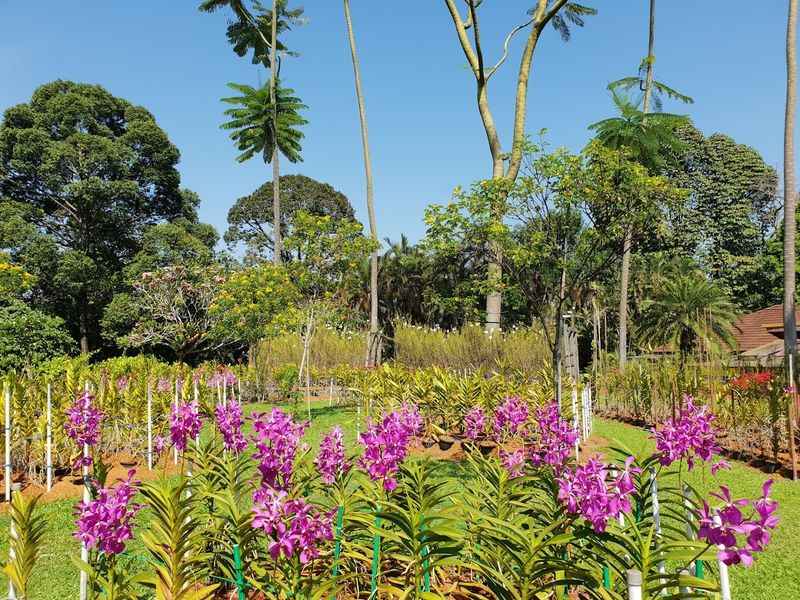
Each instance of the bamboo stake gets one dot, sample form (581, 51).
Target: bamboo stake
(49, 437)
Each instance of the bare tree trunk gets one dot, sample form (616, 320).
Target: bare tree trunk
(373, 340)
(623, 300)
(276, 170)
(83, 327)
(626, 255)
(648, 82)
(790, 191)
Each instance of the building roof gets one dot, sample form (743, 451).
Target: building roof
(760, 329)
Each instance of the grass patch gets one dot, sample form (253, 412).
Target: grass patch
(776, 573)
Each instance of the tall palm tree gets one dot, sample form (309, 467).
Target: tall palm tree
(256, 32)
(645, 137)
(687, 312)
(260, 126)
(790, 193)
(645, 80)
(373, 340)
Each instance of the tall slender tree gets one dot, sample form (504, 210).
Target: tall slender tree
(373, 340)
(276, 169)
(790, 192)
(644, 136)
(255, 30)
(646, 81)
(505, 166)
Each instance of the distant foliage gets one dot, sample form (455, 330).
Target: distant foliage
(29, 337)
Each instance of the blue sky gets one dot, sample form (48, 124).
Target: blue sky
(425, 132)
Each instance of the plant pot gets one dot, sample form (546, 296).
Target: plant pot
(129, 463)
(446, 442)
(428, 442)
(486, 447)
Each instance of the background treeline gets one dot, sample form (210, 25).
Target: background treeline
(93, 211)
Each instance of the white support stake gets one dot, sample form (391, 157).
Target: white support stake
(8, 441)
(224, 392)
(634, 579)
(576, 423)
(724, 579)
(84, 591)
(149, 426)
(49, 437)
(175, 448)
(656, 515)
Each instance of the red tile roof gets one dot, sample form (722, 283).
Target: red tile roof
(760, 328)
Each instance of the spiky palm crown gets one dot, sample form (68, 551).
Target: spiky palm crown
(252, 29)
(645, 136)
(253, 128)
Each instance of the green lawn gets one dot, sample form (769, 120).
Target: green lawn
(776, 573)
(775, 576)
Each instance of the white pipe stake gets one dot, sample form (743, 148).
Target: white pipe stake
(49, 437)
(149, 427)
(8, 441)
(175, 448)
(84, 590)
(724, 579)
(634, 579)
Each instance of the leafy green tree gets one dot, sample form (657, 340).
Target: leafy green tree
(506, 165)
(172, 306)
(688, 312)
(645, 138)
(250, 218)
(29, 337)
(331, 251)
(729, 215)
(95, 171)
(174, 243)
(255, 303)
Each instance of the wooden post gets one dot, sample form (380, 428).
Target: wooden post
(149, 426)
(49, 437)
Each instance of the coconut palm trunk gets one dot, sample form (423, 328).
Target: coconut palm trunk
(373, 340)
(276, 169)
(790, 192)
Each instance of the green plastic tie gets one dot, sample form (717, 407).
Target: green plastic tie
(238, 572)
(606, 578)
(376, 559)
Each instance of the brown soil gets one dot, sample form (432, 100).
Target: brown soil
(70, 486)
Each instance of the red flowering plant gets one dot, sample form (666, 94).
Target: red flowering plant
(758, 401)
